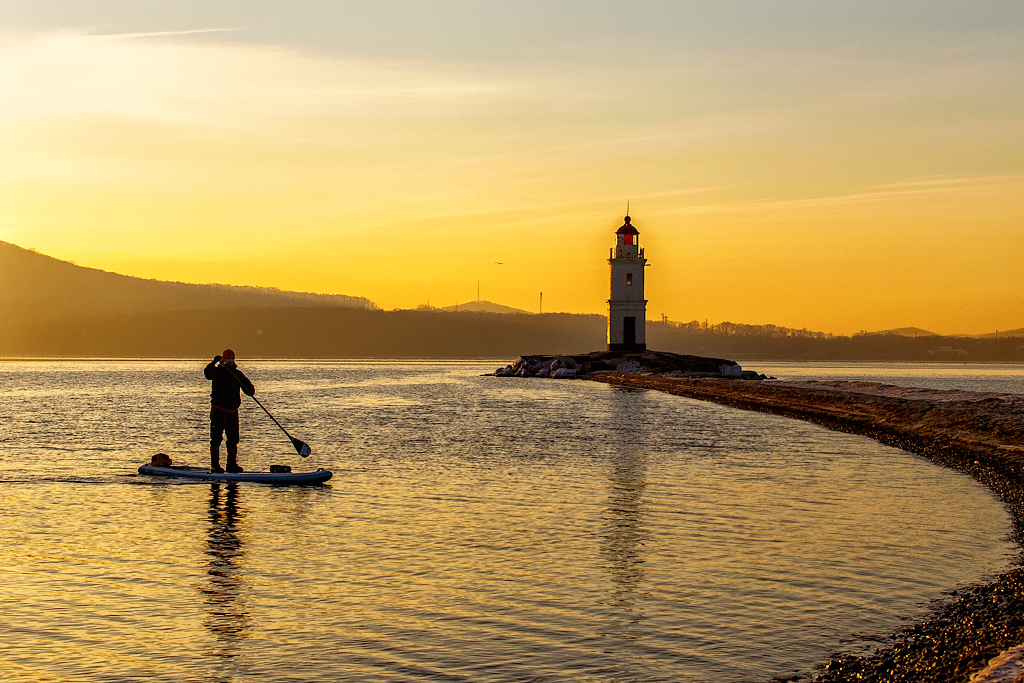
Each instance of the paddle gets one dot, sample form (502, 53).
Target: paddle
(301, 447)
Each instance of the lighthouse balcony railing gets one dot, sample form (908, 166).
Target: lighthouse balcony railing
(619, 252)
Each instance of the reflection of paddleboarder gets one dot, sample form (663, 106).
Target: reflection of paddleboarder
(224, 401)
(228, 618)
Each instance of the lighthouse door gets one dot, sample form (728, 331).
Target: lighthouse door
(629, 331)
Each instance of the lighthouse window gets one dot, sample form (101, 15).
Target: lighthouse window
(629, 278)
(629, 239)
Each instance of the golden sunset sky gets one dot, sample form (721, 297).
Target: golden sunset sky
(837, 166)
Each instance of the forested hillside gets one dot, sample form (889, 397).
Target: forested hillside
(38, 288)
(55, 308)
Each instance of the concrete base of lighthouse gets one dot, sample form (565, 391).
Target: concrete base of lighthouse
(627, 348)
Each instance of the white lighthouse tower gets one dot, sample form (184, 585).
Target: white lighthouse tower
(627, 307)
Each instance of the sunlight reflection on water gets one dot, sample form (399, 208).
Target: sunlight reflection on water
(477, 528)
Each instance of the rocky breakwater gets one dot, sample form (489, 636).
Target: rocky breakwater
(671, 364)
(981, 434)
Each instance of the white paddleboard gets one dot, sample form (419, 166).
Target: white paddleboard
(321, 475)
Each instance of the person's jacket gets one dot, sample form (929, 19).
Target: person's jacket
(226, 384)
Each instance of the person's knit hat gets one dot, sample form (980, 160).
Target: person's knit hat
(228, 353)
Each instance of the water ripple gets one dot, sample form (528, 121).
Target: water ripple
(476, 529)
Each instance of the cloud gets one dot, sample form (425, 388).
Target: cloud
(188, 78)
(162, 77)
(879, 193)
(154, 34)
(788, 121)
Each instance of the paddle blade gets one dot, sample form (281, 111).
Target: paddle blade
(301, 447)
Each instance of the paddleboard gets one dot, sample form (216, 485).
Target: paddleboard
(321, 475)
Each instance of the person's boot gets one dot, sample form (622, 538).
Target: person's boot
(215, 467)
(233, 460)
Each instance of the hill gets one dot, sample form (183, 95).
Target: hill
(482, 307)
(1019, 332)
(308, 333)
(36, 288)
(909, 332)
(734, 340)
(55, 308)
(336, 332)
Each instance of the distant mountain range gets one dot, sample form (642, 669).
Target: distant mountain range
(1019, 332)
(50, 307)
(918, 332)
(37, 288)
(735, 340)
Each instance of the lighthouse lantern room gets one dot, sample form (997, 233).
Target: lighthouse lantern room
(627, 307)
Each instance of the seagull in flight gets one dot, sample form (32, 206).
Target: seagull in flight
(499, 263)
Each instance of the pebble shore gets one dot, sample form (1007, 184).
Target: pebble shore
(981, 434)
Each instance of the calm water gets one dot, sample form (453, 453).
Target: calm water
(477, 529)
(1005, 378)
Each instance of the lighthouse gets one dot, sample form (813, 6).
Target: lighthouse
(627, 307)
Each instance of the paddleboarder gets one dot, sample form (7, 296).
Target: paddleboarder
(224, 401)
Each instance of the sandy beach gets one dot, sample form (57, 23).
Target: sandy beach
(981, 434)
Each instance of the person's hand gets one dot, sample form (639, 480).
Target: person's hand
(250, 393)
(216, 359)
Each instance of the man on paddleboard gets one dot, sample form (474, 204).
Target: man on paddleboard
(224, 401)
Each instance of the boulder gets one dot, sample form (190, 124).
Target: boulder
(731, 370)
(613, 361)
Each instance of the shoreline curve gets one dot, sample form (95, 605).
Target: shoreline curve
(980, 434)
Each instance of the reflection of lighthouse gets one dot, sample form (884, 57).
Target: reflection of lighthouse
(627, 308)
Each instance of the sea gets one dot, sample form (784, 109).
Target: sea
(476, 528)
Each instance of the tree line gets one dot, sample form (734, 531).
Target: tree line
(735, 340)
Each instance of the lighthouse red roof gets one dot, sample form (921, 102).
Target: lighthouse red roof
(627, 229)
